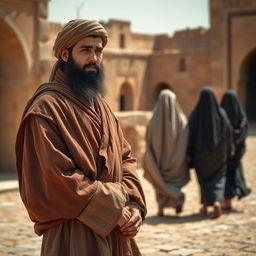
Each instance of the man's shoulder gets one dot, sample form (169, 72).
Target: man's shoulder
(47, 97)
(44, 101)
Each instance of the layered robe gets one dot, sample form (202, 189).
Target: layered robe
(76, 173)
(235, 179)
(165, 165)
(210, 145)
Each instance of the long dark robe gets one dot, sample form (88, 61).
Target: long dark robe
(235, 180)
(210, 144)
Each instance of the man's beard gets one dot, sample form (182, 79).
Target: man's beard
(85, 83)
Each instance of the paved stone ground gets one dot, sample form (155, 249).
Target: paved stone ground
(233, 234)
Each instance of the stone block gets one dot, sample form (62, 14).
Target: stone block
(44, 30)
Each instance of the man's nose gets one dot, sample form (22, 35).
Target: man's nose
(92, 57)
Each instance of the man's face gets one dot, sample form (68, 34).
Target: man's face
(88, 51)
(84, 69)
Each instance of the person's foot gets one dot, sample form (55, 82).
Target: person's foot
(203, 210)
(160, 212)
(178, 209)
(226, 208)
(216, 210)
(226, 205)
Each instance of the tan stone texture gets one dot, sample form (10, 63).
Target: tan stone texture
(137, 65)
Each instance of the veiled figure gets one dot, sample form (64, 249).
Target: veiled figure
(235, 179)
(165, 165)
(210, 145)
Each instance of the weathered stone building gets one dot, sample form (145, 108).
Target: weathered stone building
(224, 56)
(137, 66)
(23, 55)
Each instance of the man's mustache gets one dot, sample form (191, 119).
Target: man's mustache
(91, 65)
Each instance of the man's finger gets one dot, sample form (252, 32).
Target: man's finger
(133, 226)
(130, 234)
(133, 221)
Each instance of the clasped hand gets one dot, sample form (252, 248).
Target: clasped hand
(130, 221)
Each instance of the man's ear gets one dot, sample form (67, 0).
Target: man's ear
(64, 54)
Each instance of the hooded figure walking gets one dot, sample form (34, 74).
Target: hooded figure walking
(235, 179)
(165, 165)
(210, 145)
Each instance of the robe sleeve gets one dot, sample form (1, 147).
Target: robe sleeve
(53, 188)
(229, 136)
(131, 180)
(105, 209)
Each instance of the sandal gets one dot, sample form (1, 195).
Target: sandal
(160, 212)
(178, 209)
(216, 211)
(203, 210)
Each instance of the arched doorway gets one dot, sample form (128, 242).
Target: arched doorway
(13, 76)
(161, 86)
(126, 97)
(247, 85)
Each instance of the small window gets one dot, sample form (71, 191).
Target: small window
(122, 41)
(182, 65)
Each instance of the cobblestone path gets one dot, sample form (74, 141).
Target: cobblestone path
(233, 234)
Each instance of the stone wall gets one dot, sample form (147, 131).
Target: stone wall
(137, 65)
(24, 34)
(134, 125)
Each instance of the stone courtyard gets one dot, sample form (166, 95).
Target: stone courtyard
(233, 234)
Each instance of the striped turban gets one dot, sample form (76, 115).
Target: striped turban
(74, 31)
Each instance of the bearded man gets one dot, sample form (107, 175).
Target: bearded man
(77, 178)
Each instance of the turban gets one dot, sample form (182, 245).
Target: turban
(74, 31)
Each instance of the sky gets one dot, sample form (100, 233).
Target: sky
(146, 16)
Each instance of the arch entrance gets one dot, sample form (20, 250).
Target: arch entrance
(126, 97)
(13, 73)
(247, 85)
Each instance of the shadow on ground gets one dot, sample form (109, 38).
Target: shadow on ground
(169, 219)
(196, 217)
(252, 129)
(8, 176)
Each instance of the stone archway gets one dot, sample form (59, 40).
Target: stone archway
(126, 97)
(161, 86)
(13, 77)
(247, 85)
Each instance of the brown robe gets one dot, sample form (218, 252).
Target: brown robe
(75, 173)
